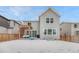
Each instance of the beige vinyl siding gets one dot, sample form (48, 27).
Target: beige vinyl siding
(65, 29)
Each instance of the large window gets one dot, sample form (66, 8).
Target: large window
(49, 31)
(47, 20)
(34, 33)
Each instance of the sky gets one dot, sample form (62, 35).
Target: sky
(25, 13)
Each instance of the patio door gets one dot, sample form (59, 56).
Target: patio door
(34, 33)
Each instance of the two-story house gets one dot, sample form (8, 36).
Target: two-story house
(47, 26)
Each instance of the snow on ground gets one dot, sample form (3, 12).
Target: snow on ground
(36, 46)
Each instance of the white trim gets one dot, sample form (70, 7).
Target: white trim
(56, 32)
(52, 31)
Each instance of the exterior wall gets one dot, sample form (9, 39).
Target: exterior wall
(70, 30)
(3, 25)
(73, 30)
(3, 30)
(14, 28)
(34, 24)
(65, 28)
(44, 25)
(4, 22)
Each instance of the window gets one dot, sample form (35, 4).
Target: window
(27, 32)
(54, 31)
(34, 33)
(49, 31)
(29, 24)
(75, 25)
(47, 20)
(51, 20)
(45, 31)
(60, 29)
(77, 32)
(31, 27)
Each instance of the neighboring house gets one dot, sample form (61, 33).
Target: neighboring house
(8, 26)
(4, 25)
(48, 26)
(13, 27)
(69, 28)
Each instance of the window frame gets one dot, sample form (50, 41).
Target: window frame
(45, 31)
(54, 33)
(51, 20)
(50, 33)
(47, 20)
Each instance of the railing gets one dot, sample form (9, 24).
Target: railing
(7, 37)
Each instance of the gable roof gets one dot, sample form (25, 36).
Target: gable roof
(49, 9)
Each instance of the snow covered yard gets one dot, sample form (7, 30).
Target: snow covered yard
(36, 46)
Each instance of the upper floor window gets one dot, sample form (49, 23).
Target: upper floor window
(51, 20)
(75, 25)
(27, 32)
(29, 24)
(47, 20)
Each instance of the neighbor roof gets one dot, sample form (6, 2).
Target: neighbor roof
(4, 18)
(69, 23)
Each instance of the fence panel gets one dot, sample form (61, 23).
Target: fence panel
(69, 38)
(7, 37)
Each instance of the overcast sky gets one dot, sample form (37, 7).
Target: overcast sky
(67, 13)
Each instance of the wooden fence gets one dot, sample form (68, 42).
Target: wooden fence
(7, 37)
(69, 38)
